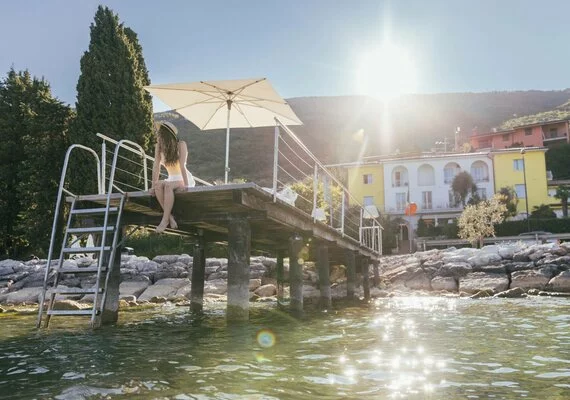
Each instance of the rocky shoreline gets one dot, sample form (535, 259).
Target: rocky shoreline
(510, 270)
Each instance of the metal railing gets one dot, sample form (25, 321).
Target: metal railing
(144, 167)
(301, 180)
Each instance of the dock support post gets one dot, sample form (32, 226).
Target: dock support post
(375, 266)
(296, 274)
(365, 267)
(239, 248)
(324, 278)
(110, 314)
(280, 277)
(198, 275)
(350, 273)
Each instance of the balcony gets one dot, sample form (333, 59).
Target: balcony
(549, 138)
(427, 208)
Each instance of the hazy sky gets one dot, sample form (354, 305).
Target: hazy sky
(305, 47)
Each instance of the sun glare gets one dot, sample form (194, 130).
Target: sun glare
(386, 72)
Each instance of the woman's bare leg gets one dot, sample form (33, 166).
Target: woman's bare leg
(168, 203)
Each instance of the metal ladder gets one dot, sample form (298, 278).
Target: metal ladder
(106, 252)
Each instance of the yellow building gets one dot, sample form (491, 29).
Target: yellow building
(510, 167)
(366, 184)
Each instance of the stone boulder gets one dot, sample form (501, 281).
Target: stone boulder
(266, 291)
(446, 283)
(25, 295)
(532, 278)
(133, 288)
(217, 286)
(419, 281)
(512, 293)
(163, 288)
(560, 283)
(455, 269)
(484, 258)
(477, 281)
(254, 284)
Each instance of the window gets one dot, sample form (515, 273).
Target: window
(482, 193)
(400, 201)
(399, 177)
(506, 137)
(368, 201)
(553, 133)
(551, 192)
(426, 201)
(518, 164)
(528, 131)
(480, 171)
(367, 179)
(483, 144)
(453, 200)
(450, 171)
(520, 190)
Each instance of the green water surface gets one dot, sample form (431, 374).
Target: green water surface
(401, 348)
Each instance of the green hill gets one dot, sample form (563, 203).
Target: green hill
(339, 129)
(560, 112)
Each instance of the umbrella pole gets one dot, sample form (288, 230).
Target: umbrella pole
(227, 168)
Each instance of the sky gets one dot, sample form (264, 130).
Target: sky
(305, 47)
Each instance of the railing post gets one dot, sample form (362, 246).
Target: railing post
(360, 226)
(275, 161)
(103, 167)
(343, 204)
(315, 190)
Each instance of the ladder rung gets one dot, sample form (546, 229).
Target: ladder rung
(93, 229)
(75, 290)
(94, 210)
(79, 270)
(85, 249)
(70, 312)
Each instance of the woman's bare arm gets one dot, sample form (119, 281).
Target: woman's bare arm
(182, 157)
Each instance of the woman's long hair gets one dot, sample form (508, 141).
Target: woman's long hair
(168, 145)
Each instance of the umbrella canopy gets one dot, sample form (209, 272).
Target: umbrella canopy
(242, 103)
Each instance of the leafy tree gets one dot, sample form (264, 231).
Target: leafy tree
(110, 97)
(558, 161)
(478, 221)
(542, 211)
(510, 200)
(463, 185)
(562, 193)
(33, 128)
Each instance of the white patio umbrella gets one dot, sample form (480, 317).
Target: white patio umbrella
(209, 105)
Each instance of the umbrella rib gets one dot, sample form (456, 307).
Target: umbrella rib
(222, 105)
(237, 106)
(241, 89)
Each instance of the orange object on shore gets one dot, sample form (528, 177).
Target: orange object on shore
(411, 209)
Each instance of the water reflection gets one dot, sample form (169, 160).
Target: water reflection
(398, 348)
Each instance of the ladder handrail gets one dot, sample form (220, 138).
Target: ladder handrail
(56, 214)
(146, 156)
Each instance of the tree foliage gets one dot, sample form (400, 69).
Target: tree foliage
(33, 129)
(510, 200)
(562, 193)
(463, 185)
(110, 96)
(478, 221)
(558, 161)
(542, 211)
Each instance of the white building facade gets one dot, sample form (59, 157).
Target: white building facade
(426, 180)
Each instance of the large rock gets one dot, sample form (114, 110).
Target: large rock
(133, 288)
(419, 281)
(163, 288)
(447, 283)
(455, 269)
(266, 291)
(254, 284)
(218, 286)
(532, 278)
(484, 258)
(169, 259)
(310, 291)
(519, 266)
(26, 295)
(337, 273)
(560, 283)
(477, 281)
(512, 293)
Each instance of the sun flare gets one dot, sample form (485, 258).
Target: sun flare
(386, 72)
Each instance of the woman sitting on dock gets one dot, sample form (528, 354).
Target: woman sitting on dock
(172, 153)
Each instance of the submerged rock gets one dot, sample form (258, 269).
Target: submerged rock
(512, 293)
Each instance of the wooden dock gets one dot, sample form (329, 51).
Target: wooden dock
(248, 218)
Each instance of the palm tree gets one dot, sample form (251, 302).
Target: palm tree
(562, 193)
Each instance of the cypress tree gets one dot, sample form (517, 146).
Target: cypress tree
(33, 127)
(110, 98)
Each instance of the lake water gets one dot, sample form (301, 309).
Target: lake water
(401, 348)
